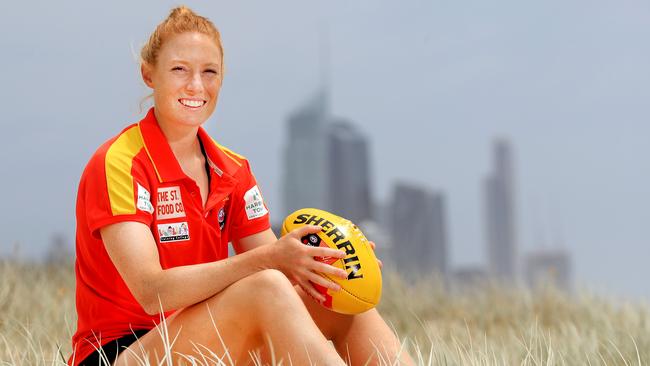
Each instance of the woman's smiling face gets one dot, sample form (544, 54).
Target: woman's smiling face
(186, 79)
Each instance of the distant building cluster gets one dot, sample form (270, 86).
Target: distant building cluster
(327, 165)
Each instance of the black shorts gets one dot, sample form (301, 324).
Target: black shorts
(112, 349)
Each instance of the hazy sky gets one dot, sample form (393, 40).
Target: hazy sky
(431, 83)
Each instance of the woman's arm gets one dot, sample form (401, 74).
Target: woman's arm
(294, 259)
(253, 241)
(132, 249)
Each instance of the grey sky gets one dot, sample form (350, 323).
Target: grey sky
(432, 83)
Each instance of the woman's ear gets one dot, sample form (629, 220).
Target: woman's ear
(146, 70)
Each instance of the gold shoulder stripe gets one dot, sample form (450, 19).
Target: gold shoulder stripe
(155, 168)
(119, 181)
(231, 154)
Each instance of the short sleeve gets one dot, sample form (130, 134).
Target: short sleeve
(251, 215)
(115, 189)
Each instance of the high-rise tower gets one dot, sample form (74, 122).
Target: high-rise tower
(500, 214)
(418, 230)
(348, 172)
(305, 165)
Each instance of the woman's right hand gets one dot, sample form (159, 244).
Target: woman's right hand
(297, 261)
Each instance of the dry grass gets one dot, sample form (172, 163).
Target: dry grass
(486, 326)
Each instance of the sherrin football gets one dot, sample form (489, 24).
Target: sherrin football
(361, 290)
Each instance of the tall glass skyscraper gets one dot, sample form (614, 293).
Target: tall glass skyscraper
(500, 214)
(305, 165)
(348, 172)
(418, 230)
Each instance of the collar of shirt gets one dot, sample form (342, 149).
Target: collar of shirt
(223, 162)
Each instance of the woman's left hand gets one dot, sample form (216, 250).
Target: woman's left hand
(372, 245)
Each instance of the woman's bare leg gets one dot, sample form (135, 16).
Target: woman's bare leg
(247, 314)
(357, 338)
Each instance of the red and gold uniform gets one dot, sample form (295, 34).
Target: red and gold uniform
(136, 177)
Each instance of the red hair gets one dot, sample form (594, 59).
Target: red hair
(180, 20)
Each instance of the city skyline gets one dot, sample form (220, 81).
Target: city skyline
(431, 84)
(334, 150)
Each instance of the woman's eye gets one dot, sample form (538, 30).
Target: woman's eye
(211, 71)
(178, 68)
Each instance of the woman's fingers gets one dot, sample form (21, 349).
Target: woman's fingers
(320, 280)
(304, 230)
(373, 246)
(325, 252)
(311, 290)
(328, 269)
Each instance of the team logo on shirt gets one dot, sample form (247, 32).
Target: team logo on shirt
(176, 231)
(254, 204)
(170, 203)
(221, 217)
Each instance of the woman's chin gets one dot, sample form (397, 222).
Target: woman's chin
(192, 118)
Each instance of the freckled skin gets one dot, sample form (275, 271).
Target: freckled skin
(188, 66)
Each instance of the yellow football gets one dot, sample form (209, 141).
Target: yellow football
(361, 290)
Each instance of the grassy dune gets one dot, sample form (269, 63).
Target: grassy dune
(487, 326)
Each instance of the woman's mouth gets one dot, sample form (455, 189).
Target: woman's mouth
(192, 103)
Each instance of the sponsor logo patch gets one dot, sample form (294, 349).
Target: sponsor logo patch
(177, 231)
(170, 204)
(144, 200)
(254, 204)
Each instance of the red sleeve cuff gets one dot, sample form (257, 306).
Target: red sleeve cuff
(95, 226)
(243, 232)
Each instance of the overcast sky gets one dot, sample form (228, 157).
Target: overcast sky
(431, 83)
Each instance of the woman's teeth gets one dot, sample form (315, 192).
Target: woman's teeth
(191, 103)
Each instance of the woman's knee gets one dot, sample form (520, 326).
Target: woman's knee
(261, 290)
(268, 278)
(266, 282)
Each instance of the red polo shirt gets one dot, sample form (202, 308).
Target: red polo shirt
(136, 177)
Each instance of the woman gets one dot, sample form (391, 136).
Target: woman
(156, 208)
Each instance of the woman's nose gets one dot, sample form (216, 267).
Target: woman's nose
(195, 84)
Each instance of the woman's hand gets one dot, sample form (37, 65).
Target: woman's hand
(372, 245)
(296, 260)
